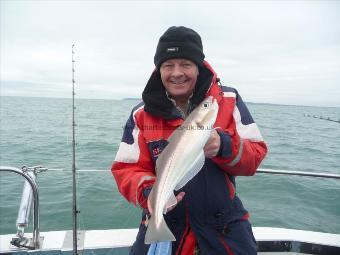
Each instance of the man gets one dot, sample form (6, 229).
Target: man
(209, 218)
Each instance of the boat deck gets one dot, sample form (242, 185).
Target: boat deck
(276, 241)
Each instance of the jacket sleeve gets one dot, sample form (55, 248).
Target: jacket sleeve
(242, 146)
(133, 168)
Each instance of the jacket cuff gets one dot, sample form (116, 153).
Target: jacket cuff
(143, 193)
(146, 192)
(225, 147)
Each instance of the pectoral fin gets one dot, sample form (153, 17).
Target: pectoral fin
(193, 170)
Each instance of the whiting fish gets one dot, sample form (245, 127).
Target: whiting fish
(177, 164)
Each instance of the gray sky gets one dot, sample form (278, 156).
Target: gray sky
(273, 52)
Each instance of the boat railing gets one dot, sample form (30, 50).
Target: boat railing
(29, 193)
(298, 173)
(259, 171)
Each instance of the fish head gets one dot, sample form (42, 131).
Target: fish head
(206, 112)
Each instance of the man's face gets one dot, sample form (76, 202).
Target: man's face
(179, 77)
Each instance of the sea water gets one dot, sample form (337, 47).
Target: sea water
(38, 131)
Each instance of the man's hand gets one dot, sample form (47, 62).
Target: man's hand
(213, 145)
(179, 198)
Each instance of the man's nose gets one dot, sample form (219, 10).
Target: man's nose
(177, 71)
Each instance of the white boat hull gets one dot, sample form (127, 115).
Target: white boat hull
(270, 241)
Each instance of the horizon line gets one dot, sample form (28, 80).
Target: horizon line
(139, 98)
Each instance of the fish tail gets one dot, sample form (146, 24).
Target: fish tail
(157, 234)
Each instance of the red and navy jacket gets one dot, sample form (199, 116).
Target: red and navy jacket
(210, 205)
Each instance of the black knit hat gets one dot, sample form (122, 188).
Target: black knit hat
(179, 42)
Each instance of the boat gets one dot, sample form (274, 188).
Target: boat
(270, 240)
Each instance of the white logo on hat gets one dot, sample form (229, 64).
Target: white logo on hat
(173, 49)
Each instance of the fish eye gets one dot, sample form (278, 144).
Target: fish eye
(205, 105)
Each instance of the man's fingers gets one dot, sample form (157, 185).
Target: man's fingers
(180, 196)
(212, 146)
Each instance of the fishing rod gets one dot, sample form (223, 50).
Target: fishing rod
(75, 210)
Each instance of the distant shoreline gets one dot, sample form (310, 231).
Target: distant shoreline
(140, 99)
(131, 98)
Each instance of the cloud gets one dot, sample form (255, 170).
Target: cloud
(267, 50)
